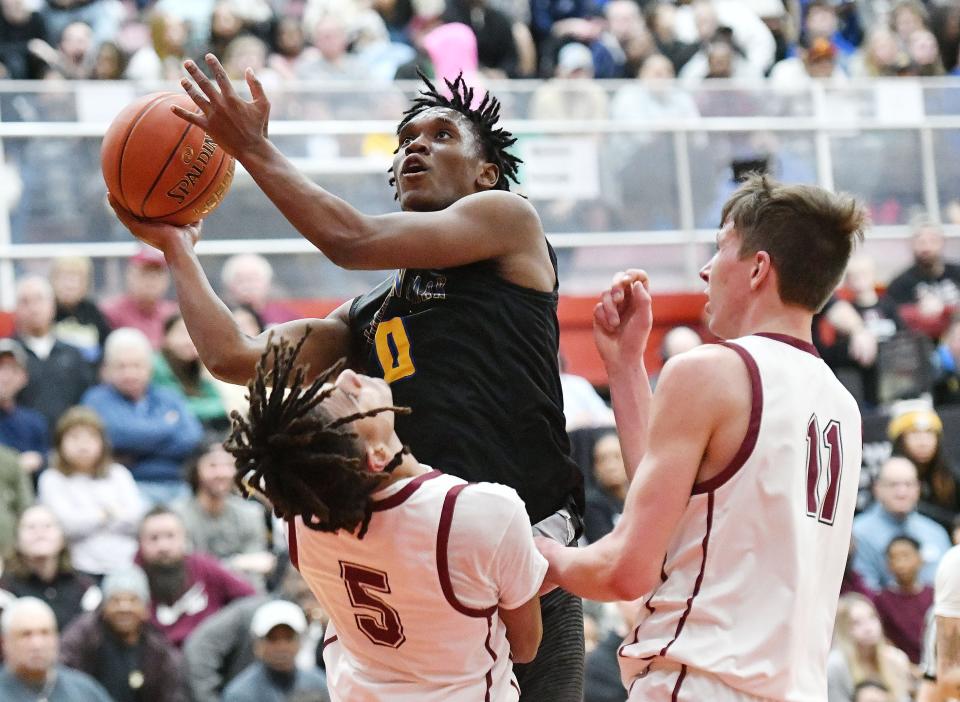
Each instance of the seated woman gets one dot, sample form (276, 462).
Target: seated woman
(95, 499)
(40, 567)
(860, 653)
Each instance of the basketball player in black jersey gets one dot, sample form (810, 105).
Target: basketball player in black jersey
(465, 331)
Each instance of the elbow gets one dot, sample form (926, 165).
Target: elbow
(526, 650)
(628, 582)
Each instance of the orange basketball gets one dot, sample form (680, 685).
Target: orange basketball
(160, 167)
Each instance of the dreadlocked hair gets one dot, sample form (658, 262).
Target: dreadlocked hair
(290, 448)
(494, 140)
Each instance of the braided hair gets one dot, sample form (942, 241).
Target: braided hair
(292, 449)
(493, 139)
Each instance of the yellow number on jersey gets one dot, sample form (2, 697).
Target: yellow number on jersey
(393, 350)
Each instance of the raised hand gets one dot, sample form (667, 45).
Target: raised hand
(156, 234)
(623, 318)
(239, 126)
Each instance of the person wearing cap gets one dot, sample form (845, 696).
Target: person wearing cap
(917, 433)
(143, 305)
(894, 513)
(31, 672)
(21, 428)
(57, 373)
(118, 647)
(817, 59)
(276, 628)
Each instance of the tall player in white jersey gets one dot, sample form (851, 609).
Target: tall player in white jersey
(744, 466)
(430, 582)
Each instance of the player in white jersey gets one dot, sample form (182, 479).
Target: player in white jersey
(744, 466)
(430, 582)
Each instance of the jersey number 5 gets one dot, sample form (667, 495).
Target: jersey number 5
(380, 622)
(823, 508)
(393, 350)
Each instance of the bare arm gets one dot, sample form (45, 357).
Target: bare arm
(227, 352)
(626, 563)
(524, 629)
(948, 657)
(483, 226)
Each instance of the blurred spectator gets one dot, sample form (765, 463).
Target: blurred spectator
(861, 325)
(917, 434)
(143, 306)
(21, 428)
(903, 605)
(79, 322)
(701, 20)
(245, 52)
(220, 648)
(40, 567)
(860, 653)
(110, 62)
(276, 628)
(185, 588)
(247, 279)
(117, 646)
(924, 53)
(821, 21)
(653, 98)
(20, 24)
(16, 495)
(608, 489)
(601, 670)
(897, 492)
(332, 60)
(931, 283)
(219, 521)
(95, 499)
(676, 341)
(718, 57)
(57, 374)
(234, 397)
(628, 27)
(662, 21)
(818, 60)
(572, 94)
(30, 672)
(582, 405)
(162, 56)
(907, 17)
(289, 43)
(225, 26)
(177, 367)
(852, 582)
(151, 429)
(880, 55)
(452, 50)
(73, 57)
(496, 47)
(946, 387)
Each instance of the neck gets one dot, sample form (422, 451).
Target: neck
(211, 504)
(409, 467)
(911, 588)
(896, 516)
(34, 678)
(935, 269)
(45, 567)
(778, 319)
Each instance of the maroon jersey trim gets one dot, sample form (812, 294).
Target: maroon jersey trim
(443, 566)
(401, 495)
(791, 341)
(327, 642)
(292, 543)
(675, 697)
(753, 428)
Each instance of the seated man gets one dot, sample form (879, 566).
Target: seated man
(30, 671)
(151, 429)
(185, 588)
(23, 429)
(897, 492)
(116, 645)
(276, 628)
(430, 582)
(143, 305)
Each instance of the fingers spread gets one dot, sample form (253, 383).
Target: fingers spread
(256, 87)
(204, 83)
(196, 118)
(220, 74)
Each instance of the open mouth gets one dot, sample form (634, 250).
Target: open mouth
(413, 166)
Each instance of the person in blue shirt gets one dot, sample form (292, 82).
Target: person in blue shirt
(21, 428)
(894, 513)
(151, 429)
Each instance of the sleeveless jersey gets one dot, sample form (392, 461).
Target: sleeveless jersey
(750, 581)
(476, 358)
(413, 605)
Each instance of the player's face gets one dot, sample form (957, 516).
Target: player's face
(362, 393)
(437, 162)
(728, 280)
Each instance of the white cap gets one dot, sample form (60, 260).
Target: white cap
(275, 613)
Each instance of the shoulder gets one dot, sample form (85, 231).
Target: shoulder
(242, 688)
(704, 370)
(489, 499)
(117, 473)
(101, 393)
(308, 680)
(77, 681)
(508, 214)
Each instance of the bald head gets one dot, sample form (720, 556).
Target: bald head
(35, 307)
(128, 362)
(30, 639)
(247, 279)
(897, 488)
(678, 340)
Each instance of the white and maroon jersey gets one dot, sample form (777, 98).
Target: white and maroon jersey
(413, 605)
(750, 580)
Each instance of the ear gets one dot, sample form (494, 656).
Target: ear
(488, 176)
(378, 456)
(761, 270)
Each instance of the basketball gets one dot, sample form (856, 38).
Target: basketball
(160, 167)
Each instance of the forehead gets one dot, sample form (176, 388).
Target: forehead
(437, 115)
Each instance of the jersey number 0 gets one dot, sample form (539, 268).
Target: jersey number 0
(822, 502)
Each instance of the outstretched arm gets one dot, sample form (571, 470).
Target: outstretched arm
(483, 226)
(227, 352)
